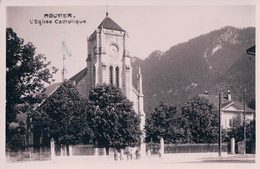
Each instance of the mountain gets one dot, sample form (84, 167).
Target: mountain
(213, 62)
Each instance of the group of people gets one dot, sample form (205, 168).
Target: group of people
(134, 153)
(131, 153)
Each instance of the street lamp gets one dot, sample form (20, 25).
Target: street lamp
(244, 121)
(220, 129)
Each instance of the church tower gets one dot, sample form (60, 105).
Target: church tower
(108, 59)
(109, 62)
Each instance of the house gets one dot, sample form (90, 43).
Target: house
(230, 109)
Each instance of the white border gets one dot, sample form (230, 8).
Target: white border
(5, 3)
(127, 2)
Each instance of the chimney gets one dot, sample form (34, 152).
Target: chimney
(229, 95)
(206, 92)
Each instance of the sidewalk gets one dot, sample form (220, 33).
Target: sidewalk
(239, 158)
(176, 161)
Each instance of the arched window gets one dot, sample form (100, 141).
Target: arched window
(117, 76)
(94, 75)
(111, 74)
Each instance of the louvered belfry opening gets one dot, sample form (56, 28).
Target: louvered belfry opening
(111, 74)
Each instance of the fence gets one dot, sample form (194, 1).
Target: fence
(43, 153)
(193, 148)
(29, 154)
(78, 150)
(239, 147)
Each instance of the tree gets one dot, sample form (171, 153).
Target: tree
(115, 122)
(166, 122)
(17, 139)
(17, 142)
(17, 129)
(26, 73)
(251, 104)
(202, 118)
(250, 130)
(236, 131)
(64, 116)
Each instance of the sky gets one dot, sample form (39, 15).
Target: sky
(149, 27)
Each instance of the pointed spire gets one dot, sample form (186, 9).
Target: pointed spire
(140, 82)
(108, 23)
(139, 71)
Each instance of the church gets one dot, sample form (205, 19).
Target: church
(109, 62)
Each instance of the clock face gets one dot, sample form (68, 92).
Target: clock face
(113, 50)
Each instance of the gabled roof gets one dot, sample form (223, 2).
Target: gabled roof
(239, 106)
(49, 90)
(77, 77)
(213, 99)
(225, 102)
(108, 23)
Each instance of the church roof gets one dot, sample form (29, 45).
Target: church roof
(108, 23)
(49, 90)
(52, 87)
(77, 77)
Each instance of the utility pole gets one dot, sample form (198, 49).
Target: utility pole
(220, 127)
(63, 68)
(66, 52)
(244, 121)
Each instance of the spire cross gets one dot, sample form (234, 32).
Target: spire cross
(106, 11)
